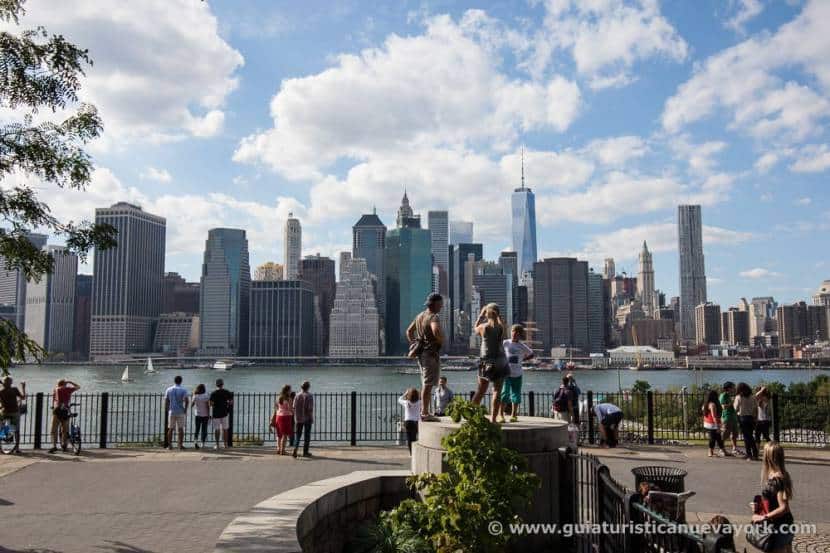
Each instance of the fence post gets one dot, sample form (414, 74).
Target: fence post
(38, 420)
(472, 394)
(776, 419)
(590, 417)
(103, 420)
(230, 424)
(567, 500)
(650, 415)
(354, 418)
(166, 427)
(531, 403)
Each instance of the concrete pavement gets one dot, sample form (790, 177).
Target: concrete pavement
(133, 501)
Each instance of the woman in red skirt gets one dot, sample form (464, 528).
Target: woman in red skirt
(285, 418)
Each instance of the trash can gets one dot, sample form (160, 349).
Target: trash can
(668, 479)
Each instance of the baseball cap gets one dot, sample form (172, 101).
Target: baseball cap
(433, 298)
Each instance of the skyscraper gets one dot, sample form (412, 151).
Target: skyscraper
(609, 271)
(178, 295)
(343, 260)
(50, 303)
(708, 324)
(596, 313)
(13, 286)
(293, 245)
(82, 316)
(354, 319)
(281, 319)
(408, 276)
(319, 272)
(735, 327)
(461, 232)
(645, 282)
(369, 243)
(495, 286)
(461, 253)
(560, 296)
(225, 293)
(127, 282)
(269, 271)
(524, 225)
(438, 222)
(692, 269)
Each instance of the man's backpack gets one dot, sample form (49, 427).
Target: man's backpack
(560, 400)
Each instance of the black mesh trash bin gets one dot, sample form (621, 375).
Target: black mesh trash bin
(668, 479)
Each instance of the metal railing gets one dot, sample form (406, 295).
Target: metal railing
(116, 419)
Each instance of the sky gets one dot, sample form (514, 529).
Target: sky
(235, 113)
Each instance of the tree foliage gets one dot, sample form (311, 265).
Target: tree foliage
(40, 76)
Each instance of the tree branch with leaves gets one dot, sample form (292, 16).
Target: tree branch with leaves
(39, 71)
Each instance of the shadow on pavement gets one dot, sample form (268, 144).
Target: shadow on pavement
(121, 547)
(7, 550)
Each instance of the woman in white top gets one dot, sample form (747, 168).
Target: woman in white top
(411, 402)
(201, 407)
(764, 421)
(747, 409)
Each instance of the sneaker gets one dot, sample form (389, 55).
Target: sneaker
(307, 455)
(429, 418)
(53, 450)
(216, 446)
(181, 447)
(514, 419)
(502, 420)
(196, 446)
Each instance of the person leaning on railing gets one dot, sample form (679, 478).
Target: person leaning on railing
(61, 398)
(10, 401)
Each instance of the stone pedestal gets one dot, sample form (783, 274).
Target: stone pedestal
(536, 439)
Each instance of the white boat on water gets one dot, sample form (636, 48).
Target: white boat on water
(150, 368)
(223, 365)
(125, 376)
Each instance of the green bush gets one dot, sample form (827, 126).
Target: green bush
(484, 482)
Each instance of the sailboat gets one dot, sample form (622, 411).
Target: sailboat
(150, 368)
(125, 376)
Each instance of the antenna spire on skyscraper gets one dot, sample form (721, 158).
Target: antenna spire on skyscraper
(523, 167)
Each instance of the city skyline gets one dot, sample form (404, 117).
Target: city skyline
(625, 145)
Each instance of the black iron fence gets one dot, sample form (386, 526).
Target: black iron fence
(128, 419)
(608, 518)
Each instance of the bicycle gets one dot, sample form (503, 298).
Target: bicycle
(7, 431)
(73, 436)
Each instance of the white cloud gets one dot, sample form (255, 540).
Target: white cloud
(803, 201)
(812, 159)
(746, 10)
(624, 244)
(752, 81)
(440, 89)
(766, 162)
(159, 175)
(161, 71)
(758, 273)
(700, 157)
(617, 150)
(606, 38)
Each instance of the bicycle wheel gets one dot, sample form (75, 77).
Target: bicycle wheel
(6, 439)
(76, 442)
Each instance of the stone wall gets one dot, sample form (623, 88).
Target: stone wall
(318, 517)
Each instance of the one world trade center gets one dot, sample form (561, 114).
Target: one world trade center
(524, 226)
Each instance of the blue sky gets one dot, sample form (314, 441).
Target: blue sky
(235, 113)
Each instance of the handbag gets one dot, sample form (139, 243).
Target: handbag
(760, 534)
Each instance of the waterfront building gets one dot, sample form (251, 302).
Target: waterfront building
(560, 297)
(650, 332)
(645, 282)
(369, 243)
(461, 232)
(354, 319)
(708, 324)
(281, 319)
(408, 268)
(225, 293)
(178, 295)
(177, 333)
(735, 325)
(50, 303)
(319, 272)
(609, 270)
(523, 203)
(292, 247)
(127, 282)
(800, 322)
(596, 313)
(762, 316)
(13, 286)
(692, 267)
(270, 272)
(82, 316)
(627, 356)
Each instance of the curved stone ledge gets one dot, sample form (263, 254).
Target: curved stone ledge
(314, 517)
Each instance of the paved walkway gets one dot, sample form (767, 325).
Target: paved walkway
(154, 501)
